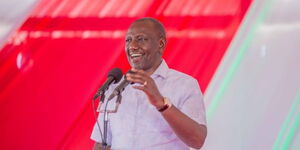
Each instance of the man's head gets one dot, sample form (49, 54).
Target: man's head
(145, 42)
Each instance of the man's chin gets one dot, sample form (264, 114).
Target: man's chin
(136, 66)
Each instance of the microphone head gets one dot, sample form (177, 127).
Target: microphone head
(116, 73)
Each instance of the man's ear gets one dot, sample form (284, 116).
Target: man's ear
(162, 43)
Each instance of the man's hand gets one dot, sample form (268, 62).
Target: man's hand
(147, 85)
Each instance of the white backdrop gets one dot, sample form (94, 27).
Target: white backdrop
(253, 101)
(12, 15)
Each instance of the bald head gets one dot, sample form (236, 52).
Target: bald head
(156, 25)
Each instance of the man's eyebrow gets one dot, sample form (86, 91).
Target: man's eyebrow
(138, 35)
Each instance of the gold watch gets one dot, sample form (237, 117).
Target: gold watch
(167, 104)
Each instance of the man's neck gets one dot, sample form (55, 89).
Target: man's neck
(153, 69)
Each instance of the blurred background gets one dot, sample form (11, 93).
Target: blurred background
(54, 55)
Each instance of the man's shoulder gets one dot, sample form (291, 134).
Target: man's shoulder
(183, 84)
(177, 75)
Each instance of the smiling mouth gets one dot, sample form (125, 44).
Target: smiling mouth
(136, 57)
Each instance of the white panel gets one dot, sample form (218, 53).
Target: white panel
(12, 14)
(253, 100)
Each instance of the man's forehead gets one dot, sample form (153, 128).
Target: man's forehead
(142, 27)
(142, 24)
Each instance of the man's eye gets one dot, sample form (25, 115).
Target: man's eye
(127, 40)
(142, 39)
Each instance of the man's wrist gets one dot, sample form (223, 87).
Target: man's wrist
(167, 105)
(159, 102)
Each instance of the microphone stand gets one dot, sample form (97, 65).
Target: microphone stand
(106, 113)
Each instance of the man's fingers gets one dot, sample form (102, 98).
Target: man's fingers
(135, 80)
(139, 71)
(139, 87)
(135, 76)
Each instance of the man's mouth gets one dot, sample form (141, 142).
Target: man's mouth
(136, 57)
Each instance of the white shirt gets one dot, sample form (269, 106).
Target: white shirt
(139, 126)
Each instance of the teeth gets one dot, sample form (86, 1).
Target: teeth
(136, 55)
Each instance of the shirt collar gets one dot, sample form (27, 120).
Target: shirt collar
(161, 71)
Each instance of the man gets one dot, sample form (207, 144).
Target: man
(164, 109)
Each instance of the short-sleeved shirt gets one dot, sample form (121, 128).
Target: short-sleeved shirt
(138, 125)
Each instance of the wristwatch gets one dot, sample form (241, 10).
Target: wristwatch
(167, 104)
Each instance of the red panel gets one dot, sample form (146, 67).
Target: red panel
(53, 65)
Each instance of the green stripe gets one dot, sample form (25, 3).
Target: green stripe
(289, 127)
(240, 56)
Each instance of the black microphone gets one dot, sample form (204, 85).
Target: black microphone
(120, 88)
(115, 76)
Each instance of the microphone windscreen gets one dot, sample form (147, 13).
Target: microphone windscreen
(116, 73)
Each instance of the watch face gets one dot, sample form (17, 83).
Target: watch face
(167, 101)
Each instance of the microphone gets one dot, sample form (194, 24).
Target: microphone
(115, 76)
(120, 88)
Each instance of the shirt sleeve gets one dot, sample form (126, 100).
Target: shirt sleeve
(193, 105)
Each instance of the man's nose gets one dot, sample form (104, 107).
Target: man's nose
(133, 45)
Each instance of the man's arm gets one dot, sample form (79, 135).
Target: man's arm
(98, 146)
(189, 131)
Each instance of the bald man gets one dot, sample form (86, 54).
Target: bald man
(164, 109)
